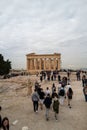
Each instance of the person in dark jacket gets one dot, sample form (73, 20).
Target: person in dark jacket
(85, 92)
(69, 95)
(42, 96)
(84, 81)
(47, 103)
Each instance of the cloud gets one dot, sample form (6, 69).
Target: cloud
(43, 27)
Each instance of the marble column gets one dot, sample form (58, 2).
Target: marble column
(49, 64)
(59, 64)
(27, 64)
(54, 63)
(35, 64)
(44, 63)
(31, 64)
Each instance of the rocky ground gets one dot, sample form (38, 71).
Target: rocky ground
(17, 106)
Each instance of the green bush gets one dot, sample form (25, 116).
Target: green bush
(5, 66)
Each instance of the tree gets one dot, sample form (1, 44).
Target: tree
(5, 66)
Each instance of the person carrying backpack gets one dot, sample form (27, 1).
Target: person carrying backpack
(61, 95)
(56, 106)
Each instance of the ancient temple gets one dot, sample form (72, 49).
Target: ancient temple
(43, 62)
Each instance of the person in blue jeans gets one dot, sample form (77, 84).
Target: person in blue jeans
(35, 100)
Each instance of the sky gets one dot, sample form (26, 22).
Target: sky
(44, 27)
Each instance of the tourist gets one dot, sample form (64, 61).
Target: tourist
(47, 91)
(39, 89)
(35, 99)
(47, 103)
(56, 106)
(42, 96)
(48, 77)
(36, 85)
(85, 92)
(68, 75)
(53, 88)
(41, 78)
(52, 77)
(67, 87)
(59, 78)
(44, 75)
(69, 95)
(54, 94)
(78, 75)
(84, 80)
(59, 86)
(64, 81)
(61, 95)
(5, 124)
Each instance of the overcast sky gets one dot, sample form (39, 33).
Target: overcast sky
(44, 27)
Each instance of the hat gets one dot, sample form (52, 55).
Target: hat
(25, 128)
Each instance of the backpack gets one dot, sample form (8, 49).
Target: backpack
(56, 106)
(61, 92)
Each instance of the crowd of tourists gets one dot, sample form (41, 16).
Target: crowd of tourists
(52, 98)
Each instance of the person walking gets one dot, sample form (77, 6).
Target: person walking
(35, 100)
(59, 78)
(56, 106)
(47, 91)
(85, 92)
(47, 103)
(69, 95)
(61, 95)
(42, 96)
(53, 88)
(84, 80)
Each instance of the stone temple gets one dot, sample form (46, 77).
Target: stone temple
(43, 62)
